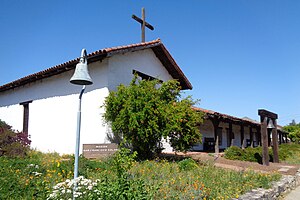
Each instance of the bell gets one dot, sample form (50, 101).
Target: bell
(270, 124)
(81, 75)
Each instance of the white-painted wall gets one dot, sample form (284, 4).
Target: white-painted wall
(145, 61)
(207, 130)
(53, 111)
(13, 115)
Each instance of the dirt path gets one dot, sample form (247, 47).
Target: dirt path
(219, 161)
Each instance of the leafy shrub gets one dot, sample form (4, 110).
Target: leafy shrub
(12, 143)
(294, 131)
(145, 112)
(233, 153)
(255, 154)
(288, 150)
(187, 164)
(248, 154)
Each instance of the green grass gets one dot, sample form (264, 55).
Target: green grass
(34, 176)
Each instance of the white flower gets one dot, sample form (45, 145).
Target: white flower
(36, 173)
(71, 183)
(90, 187)
(53, 195)
(94, 183)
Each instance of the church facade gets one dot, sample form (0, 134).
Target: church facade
(45, 104)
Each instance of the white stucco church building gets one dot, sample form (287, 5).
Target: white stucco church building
(45, 104)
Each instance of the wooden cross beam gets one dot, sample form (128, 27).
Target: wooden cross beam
(143, 24)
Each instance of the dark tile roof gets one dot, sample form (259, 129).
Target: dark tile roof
(236, 120)
(224, 117)
(156, 45)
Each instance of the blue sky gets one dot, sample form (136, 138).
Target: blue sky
(239, 55)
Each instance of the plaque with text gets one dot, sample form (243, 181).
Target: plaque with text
(99, 150)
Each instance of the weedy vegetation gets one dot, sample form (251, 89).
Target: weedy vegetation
(50, 176)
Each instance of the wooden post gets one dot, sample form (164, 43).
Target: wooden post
(216, 123)
(25, 116)
(231, 134)
(251, 137)
(285, 138)
(242, 136)
(280, 137)
(143, 24)
(264, 117)
(275, 146)
(258, 136)
(264, 141)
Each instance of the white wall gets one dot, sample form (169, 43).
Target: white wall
(145, 61)
(54, 128)
(13, 115)
(53, 111)
(206, 129)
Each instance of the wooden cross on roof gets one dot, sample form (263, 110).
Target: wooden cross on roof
(143, 24)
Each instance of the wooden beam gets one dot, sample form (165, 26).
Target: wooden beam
(280, 137)
(242, 136)
(258, 136)
(251, 136)
(264, 141)
(216, 123)
(143, 24)
(25, 116)
(141, 21)
(266, 113)
(231, 136)
(275, 143)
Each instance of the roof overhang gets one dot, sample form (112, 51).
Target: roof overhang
(156, 45)
(210, 114)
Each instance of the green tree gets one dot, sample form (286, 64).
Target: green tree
(294, 131)
(146, 111)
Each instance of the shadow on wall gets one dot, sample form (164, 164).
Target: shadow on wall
(58, 85)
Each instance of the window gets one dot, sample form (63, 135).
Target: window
(145, 76)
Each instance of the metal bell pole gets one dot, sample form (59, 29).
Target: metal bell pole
(77, 142)
(81, 77)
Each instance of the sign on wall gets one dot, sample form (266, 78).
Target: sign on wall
(99, 150)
